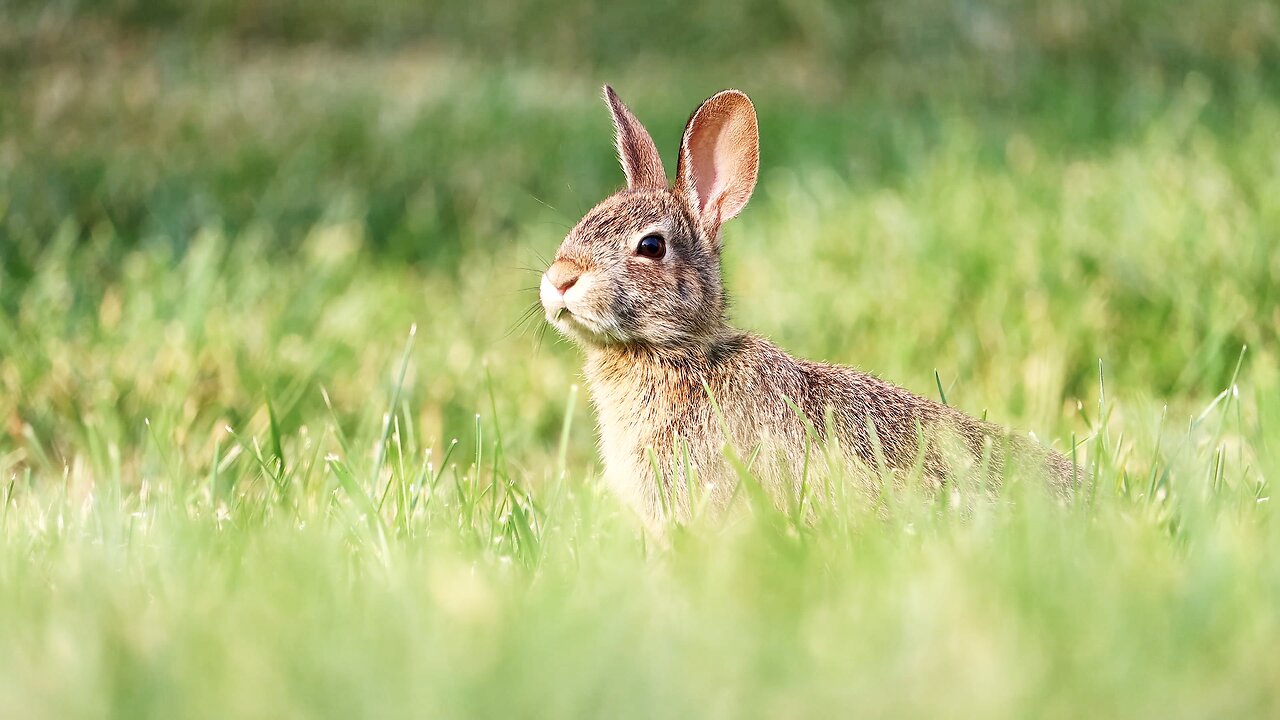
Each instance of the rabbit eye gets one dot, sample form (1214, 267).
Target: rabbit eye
(652, 247)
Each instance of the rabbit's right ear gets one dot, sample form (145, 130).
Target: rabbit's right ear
(640, 160)
(719, 159)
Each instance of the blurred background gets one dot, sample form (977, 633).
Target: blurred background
(207, 204)
(229, 490)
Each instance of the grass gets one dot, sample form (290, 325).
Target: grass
(236, 483)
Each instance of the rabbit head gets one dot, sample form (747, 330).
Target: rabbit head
(643, 267)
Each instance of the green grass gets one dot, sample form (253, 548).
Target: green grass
(235, 484)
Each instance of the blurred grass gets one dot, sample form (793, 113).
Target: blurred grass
(219, 220)
(160, 117)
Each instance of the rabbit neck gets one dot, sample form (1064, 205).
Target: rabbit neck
(644, 393)
(644, 384)
(645, 398)
(624, 368)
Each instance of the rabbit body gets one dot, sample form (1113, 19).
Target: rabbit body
(637, 283)
(665, 414)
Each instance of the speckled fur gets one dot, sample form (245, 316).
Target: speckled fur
(657, 341)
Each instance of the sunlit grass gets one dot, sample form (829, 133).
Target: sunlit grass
(274, 441)
(321, 573)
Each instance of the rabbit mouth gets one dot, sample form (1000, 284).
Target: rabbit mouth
(585, 329)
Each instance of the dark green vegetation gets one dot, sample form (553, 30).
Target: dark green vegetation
(229, 491)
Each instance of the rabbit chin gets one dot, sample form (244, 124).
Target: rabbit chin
(585, 330)
(593, 332)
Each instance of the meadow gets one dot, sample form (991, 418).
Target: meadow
(279, 439)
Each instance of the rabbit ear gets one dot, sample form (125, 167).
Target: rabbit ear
(640, 160)
(719, 158)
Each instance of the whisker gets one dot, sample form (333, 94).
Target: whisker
(522, 323)
(543, 203)
(517, 325)
(539, 334)
(581, 210)
(531, 311)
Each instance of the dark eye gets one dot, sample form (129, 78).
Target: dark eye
(652, 246)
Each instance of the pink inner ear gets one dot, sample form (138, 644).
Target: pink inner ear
(720, 155)
(708, 154)
(714, 159)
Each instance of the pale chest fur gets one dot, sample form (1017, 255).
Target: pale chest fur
(653, 413)
(661, 437)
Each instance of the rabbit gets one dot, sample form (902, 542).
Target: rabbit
(677, 390)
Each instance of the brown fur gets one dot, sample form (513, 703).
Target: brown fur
(673, 383)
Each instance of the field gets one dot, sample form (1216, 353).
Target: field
(278, 440)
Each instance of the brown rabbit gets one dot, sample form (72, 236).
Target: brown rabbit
(637, 284)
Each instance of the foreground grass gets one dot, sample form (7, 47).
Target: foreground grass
(233, 485)
(321, 575)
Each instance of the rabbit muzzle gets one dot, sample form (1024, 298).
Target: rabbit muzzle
(566, 295)
(557, 281)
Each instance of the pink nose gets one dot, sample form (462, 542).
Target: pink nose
(562, 276)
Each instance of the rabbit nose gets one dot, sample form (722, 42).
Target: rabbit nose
(562, 276)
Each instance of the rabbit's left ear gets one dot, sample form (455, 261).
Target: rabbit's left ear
(719, 159)
(640, 160)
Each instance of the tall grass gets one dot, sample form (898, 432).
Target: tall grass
(274, 441)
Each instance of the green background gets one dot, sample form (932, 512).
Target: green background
(228, 489)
